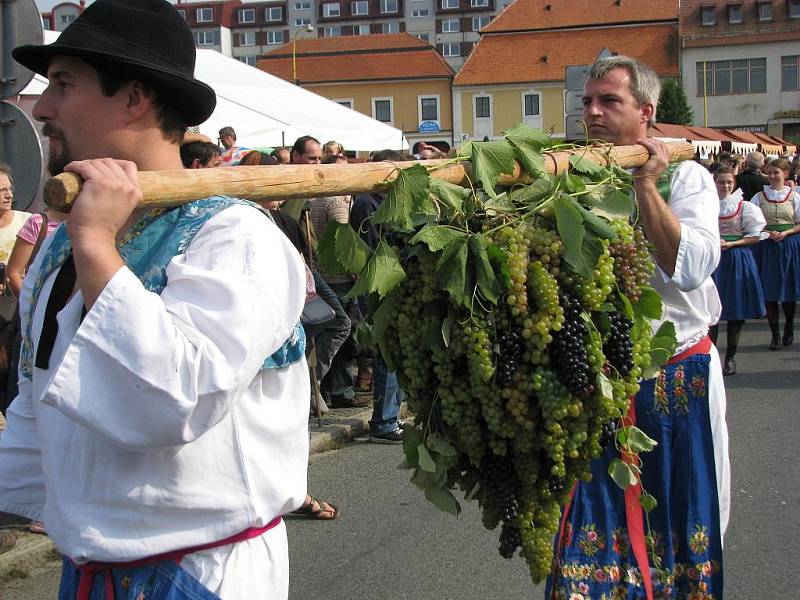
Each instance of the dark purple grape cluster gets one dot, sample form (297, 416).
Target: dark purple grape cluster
(510, 540)
(510, 346)
(618, 346)
(568, 349)
(498, 480)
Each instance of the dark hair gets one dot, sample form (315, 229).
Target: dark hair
(6, 170)
(255, 158)
(382, 155)
(202, 151)
(300, 143)
(227, 131)
(723, 170)
(415, 147)
(781, 163)
(113, 76)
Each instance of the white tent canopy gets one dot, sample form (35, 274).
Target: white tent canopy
(268, 111)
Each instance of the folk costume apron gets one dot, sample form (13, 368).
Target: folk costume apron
(779, 261)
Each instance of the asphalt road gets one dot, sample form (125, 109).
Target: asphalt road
(389, 543)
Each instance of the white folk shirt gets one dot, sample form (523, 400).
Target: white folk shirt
(155, 428)
(690, 297)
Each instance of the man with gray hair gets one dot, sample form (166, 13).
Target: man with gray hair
(752, 180)
(682, 409)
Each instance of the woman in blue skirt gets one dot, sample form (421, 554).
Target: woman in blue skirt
(736, 277)
(778, 258)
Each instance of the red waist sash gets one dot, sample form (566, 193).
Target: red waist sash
(90, 569)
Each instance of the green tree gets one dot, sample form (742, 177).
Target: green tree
(673, 105)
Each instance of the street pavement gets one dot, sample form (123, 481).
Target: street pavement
(390, 543)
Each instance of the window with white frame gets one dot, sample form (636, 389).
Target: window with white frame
(428, 108)
(530, 105)
(390, 27)
(331, 9)
(388, 6)
(275, 37)
(451, 49)
(247, 15)
(348, 102)
(723, 77)
(479, 23)
(382, 109)
(273, 13)
(46, 22)
(360, 7)
(302, 5)
(450, 25)
(479, 3)
(302, 21)
(449, 3)
(332, 31)
(794, 9)
(734, 13)
(790, 73)
(248, 38)
(249, 60)
(206, 38)
(420, 12)
(362, 29)
(765, 11)
(204, 15)
(483, 107)
(67, 18)
(709, 15)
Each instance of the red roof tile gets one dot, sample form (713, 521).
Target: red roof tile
(542, 56)
(530, 15)
(351, 43)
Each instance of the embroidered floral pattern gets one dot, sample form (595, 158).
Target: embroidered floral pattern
(681, 400)
(620, 542)
(699, 386)
(661, 399)
(590, 541)
(698, 543)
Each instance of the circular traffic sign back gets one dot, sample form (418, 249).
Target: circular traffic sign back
(20, 23)
(21, 149)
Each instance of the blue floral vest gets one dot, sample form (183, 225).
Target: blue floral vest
(154, 241)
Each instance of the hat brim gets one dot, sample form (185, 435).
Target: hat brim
(193, 98)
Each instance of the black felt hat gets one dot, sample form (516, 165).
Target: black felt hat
(146, 39)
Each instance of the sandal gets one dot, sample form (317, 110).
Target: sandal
(7, 542)
(324, 512)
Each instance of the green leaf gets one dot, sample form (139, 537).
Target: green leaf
(351, 251)
(449, 194)
(627, 308)
(524, 135)
(649, 304)
(426, 462)
(597, 224)
(452, 273)
(437, 237)
(592, 249)
(407, 196)
(569, 222)
(610, 202)
(425, 480)
(387, 353)
(647, 501)
(444, 500)
(574, 183)
(411, 441)
(528, 144)
(583, 164)
(500, 204)
(489, 160)
(528, 194)
(326, 249)
(604, 385)
(621, 473)
(485, 278)
(499, 260)
(384, 316)
(381, 274)
(663, 344)
(636, 440)
(438, 444)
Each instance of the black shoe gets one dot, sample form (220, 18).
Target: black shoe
(392, 437)
(775, 344)
(788, 337)
(730, 366)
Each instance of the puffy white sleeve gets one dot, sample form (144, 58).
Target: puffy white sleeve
(796, 201)
(753, 221)
(695, 203)
(153, 371)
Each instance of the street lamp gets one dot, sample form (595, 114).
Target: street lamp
(308, 29)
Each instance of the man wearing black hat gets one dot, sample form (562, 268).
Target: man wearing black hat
(157, 432)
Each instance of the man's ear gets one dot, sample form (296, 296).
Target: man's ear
(196, 164)
(140, 98)
(647, 112)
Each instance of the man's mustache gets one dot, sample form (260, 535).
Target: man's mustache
(52, 131)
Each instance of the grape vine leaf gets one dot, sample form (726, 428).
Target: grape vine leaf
(663, 344)
(443, 499)
(411, 441)
(636, 440)
(604, 385)
(326, 250)
(622, 473)
(351, 251)
(569, 222)
(449, 195)
(439, 444)
(528, 144)
(584, 164)
(426, 462)
(381, 274)
(452, 273)
(649, 304)
(528, 194)
(499, 261)
(573, 183)
(489, 160)
(610, 202)
(384, 315)
(485, 278)
(407, 196)
(500, 204)
(522, 134)
(597, 224)
(437, 237)
(647, 501)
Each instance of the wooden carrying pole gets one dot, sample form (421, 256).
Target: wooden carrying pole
(173, 188)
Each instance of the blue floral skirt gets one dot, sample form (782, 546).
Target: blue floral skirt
(594, 560)
(738, 285)
(779, 268)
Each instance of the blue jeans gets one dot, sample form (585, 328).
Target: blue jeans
(386, 399)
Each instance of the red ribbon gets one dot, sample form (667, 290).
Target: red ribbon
(89, 570)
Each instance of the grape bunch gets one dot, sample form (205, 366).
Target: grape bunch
(618, 346)
(633, 267)
(568, 350)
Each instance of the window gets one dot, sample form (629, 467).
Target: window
(302, 22)
(450, 50)
(204, 15)
(390, 27)
(302, 5)
(67, 18)
(790, 73)
(423, 36)
(765, 11)
(483, 107)
(388, 6)
(722, 77)
(275, 37)
(709, 15)
(382, 109)
(479, 3)
(429, 108)
(206, 38)
(274, 13)
(360, 29)
(249, 60)
(531, 108)
(247, 15)
(359, 8)
(479, 23)
(450, 25)
(181, 12)
(449, 3)
(794, 9)
(420, 12)
(247, 38)
(46, 21)
(735, 13)
(331, 9)
(348, 102)
(332, 31)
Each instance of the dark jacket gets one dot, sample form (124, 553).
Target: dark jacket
(751, 182)
(363, 208)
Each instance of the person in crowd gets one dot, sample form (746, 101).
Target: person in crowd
(736, 277)
(384, 426)
(730, 161)
(11, 221)
(26, 240)
(794, 175)
(282, 155)
(200, 155)
(778, 257)
(338, 159)
(689, 481)
(233, 154)
(256, 158)
(752, 180)
(331, 148)
(157, 430)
